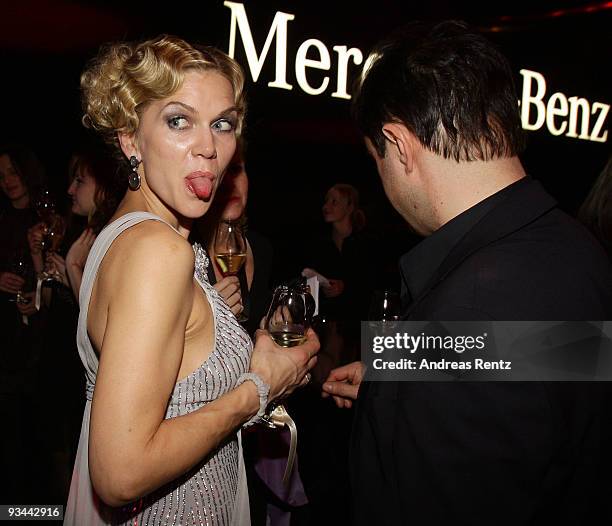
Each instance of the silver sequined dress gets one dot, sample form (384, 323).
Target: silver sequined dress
(213, 492)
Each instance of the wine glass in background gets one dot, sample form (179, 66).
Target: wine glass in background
(45, 208)
(230, 252)
(385, 306)
(53, 232)
(52, 240)
(20, 266)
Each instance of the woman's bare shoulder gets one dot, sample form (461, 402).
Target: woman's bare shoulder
(150, 249)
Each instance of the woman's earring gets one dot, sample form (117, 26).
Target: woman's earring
(134, 177)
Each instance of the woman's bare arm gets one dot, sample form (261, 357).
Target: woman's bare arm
(133, 450)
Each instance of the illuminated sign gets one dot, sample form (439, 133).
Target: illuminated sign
(558, 107)
(575, 117)
(278, 31)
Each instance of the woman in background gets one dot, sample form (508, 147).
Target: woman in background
(249, 291)
(95, 192)
(342, 256)
(22, 178)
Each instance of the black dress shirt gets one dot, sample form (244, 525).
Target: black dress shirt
(482, 453)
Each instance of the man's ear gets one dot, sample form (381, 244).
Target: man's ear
(128, 144)
(401, 141)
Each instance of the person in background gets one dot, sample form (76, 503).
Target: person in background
(596, 210)
(22, 179)
(95, 192)
(343, 256)
(249, 291)
(337, 255)
(437, 106)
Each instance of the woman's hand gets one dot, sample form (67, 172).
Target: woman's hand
(229, 289)
(284, 369)
(334, 289)
(29, 308)
(77, 255)
(343, 384)
(56, 263)
(36, 236)
(10, 282)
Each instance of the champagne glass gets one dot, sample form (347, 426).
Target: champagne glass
(45, 208)
(53, 235)
(230, 252)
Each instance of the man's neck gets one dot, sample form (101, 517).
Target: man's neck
(457, 187)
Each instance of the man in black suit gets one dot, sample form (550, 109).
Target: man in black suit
(438, 109)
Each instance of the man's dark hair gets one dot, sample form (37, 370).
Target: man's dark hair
(448, 85)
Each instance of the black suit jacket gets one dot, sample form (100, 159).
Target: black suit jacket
(503, 453)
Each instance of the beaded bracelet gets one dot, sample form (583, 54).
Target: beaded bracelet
(263, 389)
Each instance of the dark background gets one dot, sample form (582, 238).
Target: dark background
(299, 145)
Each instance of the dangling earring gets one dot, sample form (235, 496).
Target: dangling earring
(134, 177)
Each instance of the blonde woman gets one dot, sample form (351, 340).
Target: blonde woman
(172, 377)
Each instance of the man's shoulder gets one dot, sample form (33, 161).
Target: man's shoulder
(549, 269)
(555, 242)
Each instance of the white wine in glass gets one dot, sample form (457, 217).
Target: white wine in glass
(229, 263)
(230, 252)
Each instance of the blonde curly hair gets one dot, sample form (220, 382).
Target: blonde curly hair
(118, 84)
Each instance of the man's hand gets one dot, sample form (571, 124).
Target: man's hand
(343, 384)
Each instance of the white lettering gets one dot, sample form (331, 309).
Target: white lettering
(502, 365)
(301, 63)
(278, 29)
(600, 122)
(552, 111)
(527, 99)
(576, 103)
(557, 106)
(344, 54)
(532, 99)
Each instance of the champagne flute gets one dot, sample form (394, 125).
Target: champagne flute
(45, 208)
(230, 253)
(54, 233)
